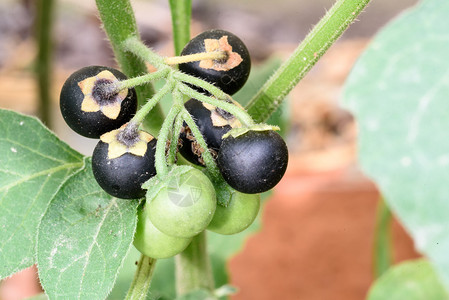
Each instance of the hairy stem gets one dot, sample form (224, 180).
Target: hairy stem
(207, 156)
(143, 111)
(176, 60)
(382, 239)
(167, 126)
(193, 268)
(181, 11)
(142, 279)
(135, 46)
(140, 80)
(120, 24)
(238, 112)
(316, 43)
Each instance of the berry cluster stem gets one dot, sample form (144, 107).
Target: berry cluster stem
(160, 157)
(144, 110)
(229, 107)
(139, 49)
(176, 60)
(139, 80)
(142, 279)
(212, 89)
(206, 155)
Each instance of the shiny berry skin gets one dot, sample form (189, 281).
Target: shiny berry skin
(253, 162)
(123, 174)
(212, 122)
(88, 108)
(229, 74)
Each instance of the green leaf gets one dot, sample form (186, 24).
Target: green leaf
(399, 92)
(33, 165)
(412, 280)
(83, 239)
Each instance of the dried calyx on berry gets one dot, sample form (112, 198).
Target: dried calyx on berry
(123, 160)
(228, 74)
(91, 104)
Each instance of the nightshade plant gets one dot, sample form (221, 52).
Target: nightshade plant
(54, 210)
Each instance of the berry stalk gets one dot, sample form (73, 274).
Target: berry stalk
(161, 160)
(176, 60)
(139, 49)
(144, 110)
(140, 80)
(229, 107)
(212, 89)
(207, 156)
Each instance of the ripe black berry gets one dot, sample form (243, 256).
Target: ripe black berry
(122, 163)
(212, 122)
(229, 74)
(253, 162)
(89, 104)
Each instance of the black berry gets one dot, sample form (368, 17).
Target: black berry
(121, 168)
(253, 162)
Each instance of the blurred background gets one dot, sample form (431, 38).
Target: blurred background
(317, 235)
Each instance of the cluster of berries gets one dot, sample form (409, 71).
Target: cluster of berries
(100, 102)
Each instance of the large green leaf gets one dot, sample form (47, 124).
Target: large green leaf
(33, 165)
(412, 280)
(399, 93)
(83, 239)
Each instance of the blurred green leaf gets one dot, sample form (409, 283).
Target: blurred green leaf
(412, 280)
(83, 239)
(34, 164)
(399, 93)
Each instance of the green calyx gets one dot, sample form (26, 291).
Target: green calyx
(235, 132)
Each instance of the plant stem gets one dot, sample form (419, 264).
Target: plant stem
(135, 46)
(143, 79)
(142, 279)
(207, 156)
(143, 111)
(193, 268)
(212, 89)
(176, 60)
(44, 22)
(316, 43)
(120, 24)
(181, 11)
(382, 239)
(229, 107)
(160, 157)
